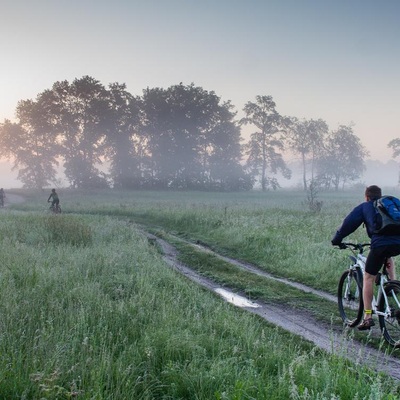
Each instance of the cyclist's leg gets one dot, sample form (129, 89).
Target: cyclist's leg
(368, 291)
(55, 207)
(374, 262)
(390, 251)
(390, 268)
(376, 257)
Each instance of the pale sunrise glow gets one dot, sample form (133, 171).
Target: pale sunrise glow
(336, 61)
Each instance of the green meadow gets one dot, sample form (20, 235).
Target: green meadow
(89, 309)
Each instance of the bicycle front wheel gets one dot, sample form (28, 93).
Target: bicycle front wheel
(350, 301)
(389, 321)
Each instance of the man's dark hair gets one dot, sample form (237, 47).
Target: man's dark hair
(373, 192)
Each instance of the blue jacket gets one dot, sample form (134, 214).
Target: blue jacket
(364, 214)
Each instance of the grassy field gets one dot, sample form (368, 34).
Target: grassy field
(90, 310)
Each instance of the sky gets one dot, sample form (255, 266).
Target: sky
(335, 60)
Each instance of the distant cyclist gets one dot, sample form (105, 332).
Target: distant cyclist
(2, 197)
(53, 195)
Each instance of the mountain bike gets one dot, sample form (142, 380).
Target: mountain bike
(56, 209)
(386, 300)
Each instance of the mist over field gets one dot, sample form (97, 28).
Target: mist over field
(377, 172)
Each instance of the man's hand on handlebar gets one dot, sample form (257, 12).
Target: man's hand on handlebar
(340, 245)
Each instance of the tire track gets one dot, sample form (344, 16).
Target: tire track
(305, 326)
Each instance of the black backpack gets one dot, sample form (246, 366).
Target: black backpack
(387, 216)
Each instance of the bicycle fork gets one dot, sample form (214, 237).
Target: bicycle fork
(349, 296)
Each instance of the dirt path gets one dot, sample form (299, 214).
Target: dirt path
(259, 272)
(322, 335)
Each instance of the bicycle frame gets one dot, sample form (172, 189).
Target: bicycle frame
(385, 299)
(56, 209)
(359, 261)
(375, 301)
(358, 264)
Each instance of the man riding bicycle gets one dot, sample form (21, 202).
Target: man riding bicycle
(54, 196)
(383, 247)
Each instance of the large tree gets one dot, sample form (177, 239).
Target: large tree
(184, 126)
(307, 139)
(32, 142)
(223, 154)
(395, 146)
(263, 149)
(82, 114)
(343, 158)
(124, 142)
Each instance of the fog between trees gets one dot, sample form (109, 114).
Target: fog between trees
(181, 137)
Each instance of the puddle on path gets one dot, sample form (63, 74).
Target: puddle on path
(236, 299)
(322, 336)
(265, 274)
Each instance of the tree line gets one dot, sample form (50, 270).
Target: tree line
(181, 137)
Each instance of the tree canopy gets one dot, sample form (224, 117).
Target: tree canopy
(265, 144)
(180, 137)
(343, 158)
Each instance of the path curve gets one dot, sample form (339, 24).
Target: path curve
(308, 328)
(322, 335)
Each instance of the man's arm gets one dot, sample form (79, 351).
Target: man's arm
(349, 225)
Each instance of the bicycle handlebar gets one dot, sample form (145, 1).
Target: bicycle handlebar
(354, 246)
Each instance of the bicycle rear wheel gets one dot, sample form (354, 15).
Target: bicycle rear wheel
(390, 323)
(350, 301)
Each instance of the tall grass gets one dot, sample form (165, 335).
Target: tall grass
(273, 230)
(90, 311)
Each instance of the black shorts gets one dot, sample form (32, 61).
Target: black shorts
(377, 256)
